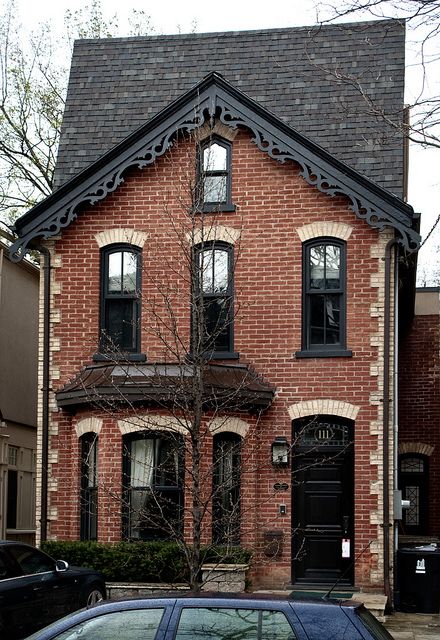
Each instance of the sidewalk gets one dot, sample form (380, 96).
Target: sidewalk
(414, 626)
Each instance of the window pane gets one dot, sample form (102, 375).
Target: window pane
(412, 465)
(317, 266)
(89, 487)
(217, 324)
(130, 625)
(317, 319)
(155, 514)
(215, 158)
(130, 269)
(90, 460)
(121, 324)
(332, 262)
(206, 266)
(142, 462)
(12, 499)
(114, 272)
(226, 485)
(167, 464)
(220, 271)
(214, 189)
(412, 514)
(332, 304)
(213, 264)
(204, 624)
(12, 456)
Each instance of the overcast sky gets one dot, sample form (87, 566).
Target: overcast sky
(174, 16)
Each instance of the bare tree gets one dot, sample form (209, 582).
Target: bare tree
(423, 24)
(33, 82)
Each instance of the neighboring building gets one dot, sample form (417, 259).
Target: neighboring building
(19, 284)
(419, 421)
(217, 208)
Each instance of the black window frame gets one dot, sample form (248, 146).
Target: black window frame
(89, 490)
(210, 351)
(226, 523)
(159, 489)
(310, 349)
(207, 206)
(108, 348)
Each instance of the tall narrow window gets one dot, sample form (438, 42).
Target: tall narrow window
(215, 175)
(120, 275)
(213, 300)
(89, 487)
(153, 468)
(324, 295)
(226, 489)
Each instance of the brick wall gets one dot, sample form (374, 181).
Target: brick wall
(273, 204)
(419, 402)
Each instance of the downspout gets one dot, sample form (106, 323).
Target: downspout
(45, 391)
(386, 416)
(396, 412)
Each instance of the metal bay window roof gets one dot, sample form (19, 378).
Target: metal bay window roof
(231, 387)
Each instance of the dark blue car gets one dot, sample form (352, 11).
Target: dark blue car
(218, 617)
(35, 589)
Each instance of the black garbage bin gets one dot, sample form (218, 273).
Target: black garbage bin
(418, 579)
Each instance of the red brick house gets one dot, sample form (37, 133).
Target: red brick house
(218, 278)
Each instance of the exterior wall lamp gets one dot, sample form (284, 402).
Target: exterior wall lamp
(280, 452)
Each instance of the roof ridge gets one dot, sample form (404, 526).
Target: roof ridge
(209, 34)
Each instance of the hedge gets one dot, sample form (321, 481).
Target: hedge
(137, 561)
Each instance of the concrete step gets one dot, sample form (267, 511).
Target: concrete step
(375, 602)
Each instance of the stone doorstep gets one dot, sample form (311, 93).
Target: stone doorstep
(374, 602)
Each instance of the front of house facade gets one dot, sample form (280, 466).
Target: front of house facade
(220, 341)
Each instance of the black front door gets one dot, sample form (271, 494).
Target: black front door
(323, 497)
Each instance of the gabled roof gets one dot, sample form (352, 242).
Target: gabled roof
(304, 75)
(214, 97)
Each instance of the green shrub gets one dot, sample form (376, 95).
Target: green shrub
(138, 561)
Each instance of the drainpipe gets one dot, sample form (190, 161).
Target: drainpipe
(396, 411)
(386, 411)
(45, 390)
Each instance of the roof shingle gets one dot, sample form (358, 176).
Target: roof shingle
(117, 84)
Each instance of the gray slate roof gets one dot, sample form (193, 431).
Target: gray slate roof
(117, 84)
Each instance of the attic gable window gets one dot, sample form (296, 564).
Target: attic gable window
(120, 300)
(215, 175)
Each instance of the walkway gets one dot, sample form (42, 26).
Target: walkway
(414, 626)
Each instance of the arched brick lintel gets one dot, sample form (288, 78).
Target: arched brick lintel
(324, 406)
(153, 422)
(416, 447)
(87, 425)
(230, 425)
